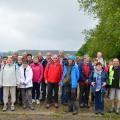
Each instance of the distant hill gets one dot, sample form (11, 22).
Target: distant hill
(35, 52)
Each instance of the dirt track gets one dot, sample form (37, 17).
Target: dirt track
(41, 113)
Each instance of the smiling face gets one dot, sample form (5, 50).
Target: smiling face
(36, 60)
(25, 65)
(61, 53)
(48, 55)
(116, 62)
(70, 62)
(40, 55)
(29, 58)
(86, 59)
(99, 67)
(9, 61)
(55, 58)
(99, 55)
(19, 60)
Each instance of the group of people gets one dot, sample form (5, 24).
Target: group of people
(59, 79)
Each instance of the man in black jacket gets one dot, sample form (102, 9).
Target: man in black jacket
(44, 62)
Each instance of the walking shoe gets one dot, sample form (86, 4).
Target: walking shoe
(47, 106)
(31, 108)
(12, 108)
(117, 111)
(5, 108)
(42, 99)
(97, 112)
(37, 102)
(102, 113)
(33, 100)
(111, 110)
(81, 106)
(75, 112)
(56, 105)
(86, 106)
(24, 107)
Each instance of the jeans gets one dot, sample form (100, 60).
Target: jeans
(64, 95)
(36, 91)
(99, 101)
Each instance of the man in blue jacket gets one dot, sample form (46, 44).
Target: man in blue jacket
(70, 82)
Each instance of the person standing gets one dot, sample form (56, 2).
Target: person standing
(86, 69)
(9, 81)
(98, 80)
(43, 84)
(114, 83)
(53, 75)
(70, 79)
(25, 84)
(63, 61)
(18, 90)
(37, 69)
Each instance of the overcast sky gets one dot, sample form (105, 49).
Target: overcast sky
(42, 24)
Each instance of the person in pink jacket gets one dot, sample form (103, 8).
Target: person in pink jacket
(37, 69)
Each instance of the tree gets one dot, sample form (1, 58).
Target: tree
(106, 36)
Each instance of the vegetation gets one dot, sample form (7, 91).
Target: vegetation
(106, 36)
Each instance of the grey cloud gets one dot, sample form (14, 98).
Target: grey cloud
(43, 24)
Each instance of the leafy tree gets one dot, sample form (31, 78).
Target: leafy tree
(106, 36)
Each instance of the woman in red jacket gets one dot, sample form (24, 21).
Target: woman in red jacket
(37, 69)
(53, 75)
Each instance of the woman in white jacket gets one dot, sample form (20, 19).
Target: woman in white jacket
(25, 84)
(8, 80)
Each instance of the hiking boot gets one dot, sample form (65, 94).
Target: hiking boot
(12, 108)
(97, 112)
(111, 110)
(31, 108)
(47, 106)
(42, 99)
(102, 113)
(81, 106)
(117, 111)
(75, 112)
(5, 108)
(24, 107)
(33, 100)
(56, 105)
(37, 102)
(86, 106)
